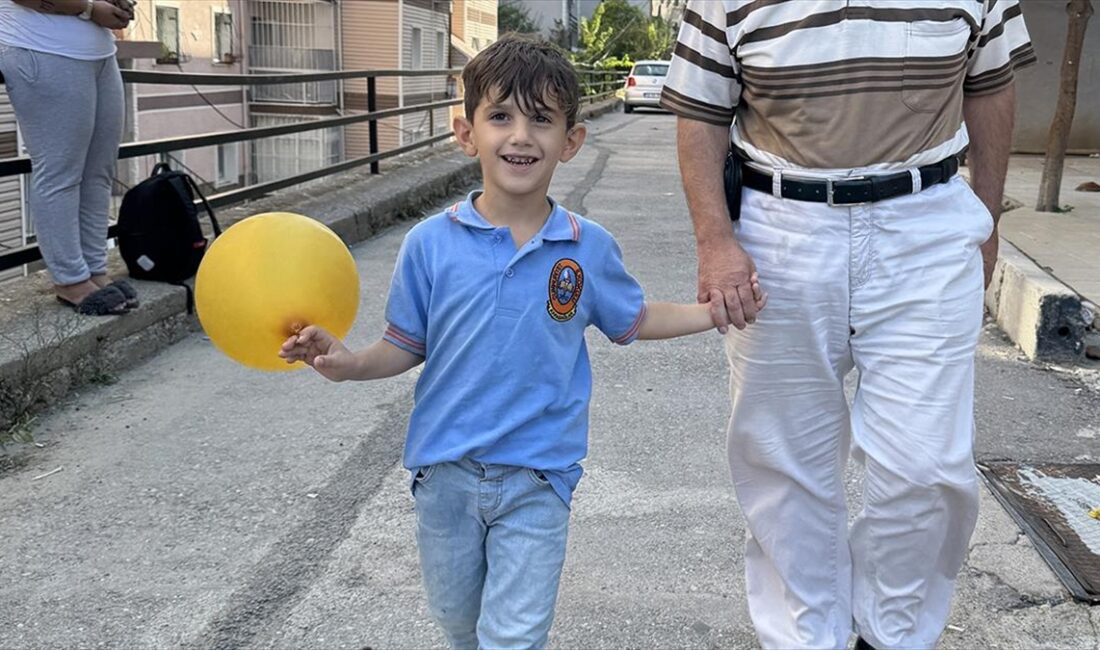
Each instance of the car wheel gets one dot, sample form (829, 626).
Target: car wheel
(627, 108)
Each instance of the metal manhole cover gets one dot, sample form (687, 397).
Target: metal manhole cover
(1058, 507)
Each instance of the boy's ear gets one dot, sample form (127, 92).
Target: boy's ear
(464, 134)
(574, 138)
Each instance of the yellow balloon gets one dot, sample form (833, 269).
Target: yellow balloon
(267, 277)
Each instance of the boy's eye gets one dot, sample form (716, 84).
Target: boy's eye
(498, 116)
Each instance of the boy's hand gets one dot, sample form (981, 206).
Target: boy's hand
(759, 296)
(321, 351)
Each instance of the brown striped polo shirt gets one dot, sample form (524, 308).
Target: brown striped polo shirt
(865, 85)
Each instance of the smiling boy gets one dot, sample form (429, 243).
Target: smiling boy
(494, 296)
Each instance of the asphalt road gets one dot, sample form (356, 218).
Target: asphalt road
(204, 505)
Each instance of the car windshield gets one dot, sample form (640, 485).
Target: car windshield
(651, 70)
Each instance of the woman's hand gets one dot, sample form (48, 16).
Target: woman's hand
(109, 15)
(125, 5)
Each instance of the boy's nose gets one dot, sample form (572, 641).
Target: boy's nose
(520, 132)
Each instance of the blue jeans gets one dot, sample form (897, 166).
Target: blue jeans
(492, 544)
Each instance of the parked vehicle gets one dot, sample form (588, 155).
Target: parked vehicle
(643, 86)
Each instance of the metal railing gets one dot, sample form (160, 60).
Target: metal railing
(595, 85)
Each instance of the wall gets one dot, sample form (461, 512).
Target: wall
(1037, 86)
(173, 110)
(419, 14)
(369, 38)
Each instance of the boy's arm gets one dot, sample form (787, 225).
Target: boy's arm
(383, 359)
(333, 360)
(666, 320)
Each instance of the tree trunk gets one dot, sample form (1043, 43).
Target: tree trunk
(1079, 12)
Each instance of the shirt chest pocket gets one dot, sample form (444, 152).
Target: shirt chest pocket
(935, 62)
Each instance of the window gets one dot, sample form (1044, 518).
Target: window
(282, 156)
(651, 70)
(168, 33)
(417, 51)
(440, 50)
(223, 37)
(228, 164)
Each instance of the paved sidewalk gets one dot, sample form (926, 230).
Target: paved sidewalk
(1047, 283)
(204, 505)
(1066, 244)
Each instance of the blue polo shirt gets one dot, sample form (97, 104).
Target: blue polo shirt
(506, 377)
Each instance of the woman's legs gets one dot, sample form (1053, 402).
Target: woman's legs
(99, 169)
(55, 100)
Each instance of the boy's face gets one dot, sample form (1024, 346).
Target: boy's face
(518, 152)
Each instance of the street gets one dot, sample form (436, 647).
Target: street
(205, 505)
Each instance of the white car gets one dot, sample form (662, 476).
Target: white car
(643, 86)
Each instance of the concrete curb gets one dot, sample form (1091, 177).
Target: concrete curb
(47, 351)
(1040, 314)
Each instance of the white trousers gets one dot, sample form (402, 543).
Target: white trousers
(893, 289)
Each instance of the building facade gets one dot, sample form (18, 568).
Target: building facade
(198, 36)
(396, 34)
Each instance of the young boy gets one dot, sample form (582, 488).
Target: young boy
(493, 296)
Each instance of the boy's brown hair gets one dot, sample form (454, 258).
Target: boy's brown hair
(532, 71)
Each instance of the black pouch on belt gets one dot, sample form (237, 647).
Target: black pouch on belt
(731, 177)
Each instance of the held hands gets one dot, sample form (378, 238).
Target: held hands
(729, 284)
(321, 351)
(112, 14)
(717, 307)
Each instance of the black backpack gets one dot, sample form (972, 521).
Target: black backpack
(159, 236)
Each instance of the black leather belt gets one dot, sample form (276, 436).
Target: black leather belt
(851, 191)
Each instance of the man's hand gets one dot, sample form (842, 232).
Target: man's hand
(728, 281)
(989, 255)
(322, 351)
(106, 14)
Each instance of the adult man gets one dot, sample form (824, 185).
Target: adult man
(871, 249)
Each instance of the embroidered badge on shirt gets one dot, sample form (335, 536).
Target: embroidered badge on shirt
(566, 283)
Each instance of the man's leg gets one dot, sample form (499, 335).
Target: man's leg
(788, 434)
(525, 550)
(917, 318)
(450, 535)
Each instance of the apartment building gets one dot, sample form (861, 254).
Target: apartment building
(198, 36)
(294, 36)
(473, 28)
(396, 34)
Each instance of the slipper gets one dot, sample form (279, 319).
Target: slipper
(107, 301)
(128, 291)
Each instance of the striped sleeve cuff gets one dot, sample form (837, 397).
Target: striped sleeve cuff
(631, 334)
(694, 109)
(992, 81)
(404, 340)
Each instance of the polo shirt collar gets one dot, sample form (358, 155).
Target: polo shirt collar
(562, 225)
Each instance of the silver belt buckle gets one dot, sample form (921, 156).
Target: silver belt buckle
(829, 193)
